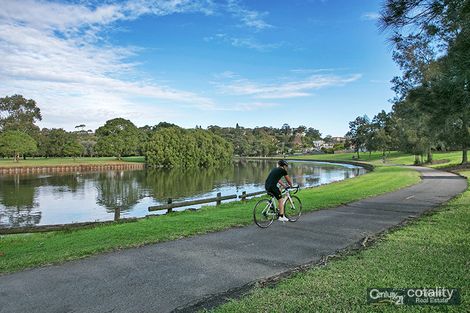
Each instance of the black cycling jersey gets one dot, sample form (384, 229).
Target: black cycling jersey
(274, 176)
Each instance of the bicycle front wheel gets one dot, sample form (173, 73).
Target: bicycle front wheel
(263, 213)
(293, 208)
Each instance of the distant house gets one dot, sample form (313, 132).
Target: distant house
(338, 139)
(319, 144)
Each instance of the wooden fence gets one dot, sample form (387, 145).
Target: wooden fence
(117, 215)
(170, 205)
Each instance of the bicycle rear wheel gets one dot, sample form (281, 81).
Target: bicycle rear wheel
(264, 213)
(293, 209)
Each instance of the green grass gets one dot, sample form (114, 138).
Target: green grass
(18, 252)
(375, 158)
(67, 161)
(443, 159)
(432, 252)
(394, 157)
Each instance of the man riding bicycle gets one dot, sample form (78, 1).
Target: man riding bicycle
(273, 179)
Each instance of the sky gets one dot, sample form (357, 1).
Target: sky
(317, 63)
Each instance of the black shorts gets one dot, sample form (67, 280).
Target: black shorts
(275, 191)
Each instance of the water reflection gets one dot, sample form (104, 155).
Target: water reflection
(18, 202)
(27, 200)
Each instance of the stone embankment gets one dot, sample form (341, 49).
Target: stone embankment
(70, 168)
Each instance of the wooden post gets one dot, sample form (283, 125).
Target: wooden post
(243, 196)
(169, 209)
(218, 200)
(117, 214)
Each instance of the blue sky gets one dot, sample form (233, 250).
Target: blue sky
(202, 62)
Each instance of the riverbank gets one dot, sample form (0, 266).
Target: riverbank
(32, 250)
(430, 252)
(440, 159)
(71, 168)
(51, 162)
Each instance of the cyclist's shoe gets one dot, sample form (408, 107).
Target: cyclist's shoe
(283, 219)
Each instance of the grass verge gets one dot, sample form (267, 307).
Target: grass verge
(431, 252)
(19, 252)
(67, 161)
(442, 159)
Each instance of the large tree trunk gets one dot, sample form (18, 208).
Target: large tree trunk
(429, 160)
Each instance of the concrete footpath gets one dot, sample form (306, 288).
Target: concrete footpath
(177, 274)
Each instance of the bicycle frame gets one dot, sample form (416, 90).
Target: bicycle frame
(267, 210)
(273, 201)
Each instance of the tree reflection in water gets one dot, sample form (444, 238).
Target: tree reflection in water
(18, 198)
(25, 199)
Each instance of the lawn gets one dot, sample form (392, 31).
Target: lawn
(442, 159)
(431, 252)
(67, 161)
(18, 252)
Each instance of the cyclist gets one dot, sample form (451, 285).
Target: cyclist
(273, 179)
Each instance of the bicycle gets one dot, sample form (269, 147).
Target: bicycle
(266, 210)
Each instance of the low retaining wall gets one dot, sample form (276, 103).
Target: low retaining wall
(70, 168)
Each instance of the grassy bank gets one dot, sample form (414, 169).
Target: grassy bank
(22, 251)
(67, 161)
(432, 252)
(441, 159)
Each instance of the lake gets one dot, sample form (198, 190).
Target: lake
(42, 199)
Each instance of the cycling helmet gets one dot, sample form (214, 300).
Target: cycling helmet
(282, 163)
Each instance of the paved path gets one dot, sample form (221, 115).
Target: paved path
(165, 276)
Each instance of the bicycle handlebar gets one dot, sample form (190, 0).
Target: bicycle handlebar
(296, 188)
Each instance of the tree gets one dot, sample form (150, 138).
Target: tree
(432, 40)
(73, 149)
(358, 133)
(177, 147)
(414, 130)
(17, 113)
(15, 143)
(381, 129)
(117, 137)
(313, 134)
(53, 141)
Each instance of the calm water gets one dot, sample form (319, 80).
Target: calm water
(27, 200)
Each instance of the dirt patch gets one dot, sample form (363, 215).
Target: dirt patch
(440, 161)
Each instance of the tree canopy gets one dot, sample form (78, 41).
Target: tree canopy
(177, 147)
(18, 113)
(118, 137)
(432, 43)
(14, 143)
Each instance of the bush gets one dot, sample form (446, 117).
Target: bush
(177, 147)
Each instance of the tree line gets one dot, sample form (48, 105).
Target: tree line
(268, 141)
(162, 144)
(431, 108)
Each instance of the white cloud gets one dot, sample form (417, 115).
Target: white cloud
(246, 106)
(250, 18)
(52, 52)
(247, 42)
(292, 89)
(71, 17)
